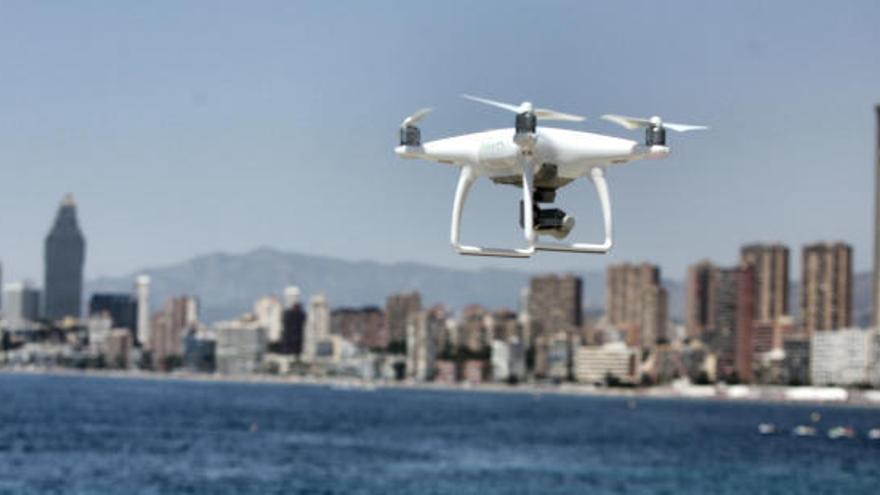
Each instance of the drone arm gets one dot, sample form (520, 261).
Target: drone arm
(597, 176)
(465, 181)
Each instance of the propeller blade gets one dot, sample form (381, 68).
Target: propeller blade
(628, 122)
(541, 113)
(545, 114)
(637, 122)
(684, 127)
(506, 106)
(415, 118)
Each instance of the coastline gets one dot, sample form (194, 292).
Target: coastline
(824, 396)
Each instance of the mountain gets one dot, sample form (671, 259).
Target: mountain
(228, 284)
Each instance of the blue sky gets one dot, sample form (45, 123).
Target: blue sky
(192, 127)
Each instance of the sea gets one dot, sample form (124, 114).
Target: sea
(93, 435)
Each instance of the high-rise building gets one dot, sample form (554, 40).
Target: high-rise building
(22, 304)
(169, 327)
(611, 361)
(826, 286)
(268, 311)
(65, 251)
(555, 303)
(142, 288)
(317, 325)
(241, 345)
(294, 328)
(770, 265)
(636, 300)
(848, 356)
(118, 349)
(399, 308)
(555, 312)
(420, 349)
(701, 287)
(364, 327)
(730, 335)
(99, 325)
(473, 329)
(120, 307)
(877, 221)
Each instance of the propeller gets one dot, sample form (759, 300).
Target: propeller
(526, 107)
(415, 118)
(637, 122)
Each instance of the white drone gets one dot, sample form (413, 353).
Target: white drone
(540, 161)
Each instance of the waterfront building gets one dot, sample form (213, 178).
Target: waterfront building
(365, 327)
(769, 263)
(399, 308)
(294, 320)
(23, 304)
(473, 329)
(268, 311)
(700, 316)
(122, 309)
(142, 289)
(849, 356)
(199, 351)
(447, 371)
(730, 336)
(555, 303)
(317, 326)
(611, 361)
(420, 350)
(559, 356)
(64, 258)
(635, 297)
(118, 349)
(796, 360)
(826, 286)
(508, 360)
(474, 371)
(240, 347)
(99, 325)
(168, 328)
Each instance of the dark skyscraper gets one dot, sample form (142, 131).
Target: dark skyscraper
(64, 258)
(122, 309)
(294, 320)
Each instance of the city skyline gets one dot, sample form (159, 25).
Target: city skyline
(160, 140)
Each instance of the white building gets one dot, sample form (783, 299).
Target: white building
(844, 357)
(592, 364)
(508, 360)
(420, 350)
(268, 311)
(142, 288)
(99, 327)
(22, 304)
(240, 346)
(317, 326)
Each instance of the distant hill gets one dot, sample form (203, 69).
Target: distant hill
(228, 284)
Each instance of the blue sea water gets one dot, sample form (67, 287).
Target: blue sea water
(99, 435)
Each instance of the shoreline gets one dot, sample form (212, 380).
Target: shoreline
(824, 396)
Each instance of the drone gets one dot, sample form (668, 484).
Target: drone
(540, 160)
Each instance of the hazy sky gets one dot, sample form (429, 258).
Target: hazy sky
(191, 127)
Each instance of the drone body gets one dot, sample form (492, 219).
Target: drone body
(540, 161)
